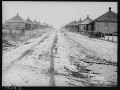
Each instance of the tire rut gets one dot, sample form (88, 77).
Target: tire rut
(53, 51)
(25, 54)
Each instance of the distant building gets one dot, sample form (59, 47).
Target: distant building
(84, 25)
(44, 25)
(16, 23)
(106, 23)
(30, 24)
(72, 26)
(35, 24)
(78, 25)
(39, 25)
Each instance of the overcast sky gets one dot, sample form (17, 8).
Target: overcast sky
(56, 13)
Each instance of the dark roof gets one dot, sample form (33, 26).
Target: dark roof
(109, 16)
(35, 22)
(16, 18)
(73, 23)
(39, 23)
(29, 21)
(86, 21)
(79, 22)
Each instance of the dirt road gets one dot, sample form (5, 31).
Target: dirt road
(58, 60)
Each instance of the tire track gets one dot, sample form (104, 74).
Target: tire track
(93, 60)
(25, 54)
(94, 57)
(53, 51)
(27, 65)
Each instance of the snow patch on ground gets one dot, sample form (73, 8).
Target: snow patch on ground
(13, 54)
(31, 70)
(103, 49)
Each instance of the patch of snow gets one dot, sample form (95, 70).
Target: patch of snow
(102, 49)
(12, 55)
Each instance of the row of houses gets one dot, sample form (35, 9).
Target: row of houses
(106, 23)
(17, 23)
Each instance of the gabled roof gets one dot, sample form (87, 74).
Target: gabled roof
(29, 21)
(39, 23)
(86, 21)
(79, 22)
(16, 18)
(73, 23)
(44, 24)
(109, 16)
(35, 22)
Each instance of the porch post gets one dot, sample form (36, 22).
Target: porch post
(108, 34)
(112, 36)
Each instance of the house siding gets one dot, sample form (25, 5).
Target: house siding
(112, 27)
(89, 27)
(16, 25)
(32, 26)
(82, 27)
(100, 26)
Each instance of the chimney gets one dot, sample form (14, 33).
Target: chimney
(87, 16)
(109, 8)
(28, 17)
(17, 14)
(80, 19)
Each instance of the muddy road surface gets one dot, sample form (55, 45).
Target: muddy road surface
(58, 59)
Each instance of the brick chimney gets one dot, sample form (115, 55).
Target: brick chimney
(109, 8)
(80, 19)
(87, 16)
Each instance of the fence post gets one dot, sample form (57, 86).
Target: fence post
(104, 36)
(108, 35)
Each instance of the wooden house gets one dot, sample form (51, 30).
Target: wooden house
(16, 23)
(78, 25)
(72, 26)
(39, 25)
(106, 23)
(84, 25)
(35, 24)
(30, 24)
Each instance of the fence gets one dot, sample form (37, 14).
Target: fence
(103, 36)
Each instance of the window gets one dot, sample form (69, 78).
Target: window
(84, 27)
(106, 25)
(7, 25)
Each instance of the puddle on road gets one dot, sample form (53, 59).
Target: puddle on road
(107, 71)
(53, 51)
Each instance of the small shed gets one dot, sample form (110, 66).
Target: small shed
(16, 23)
